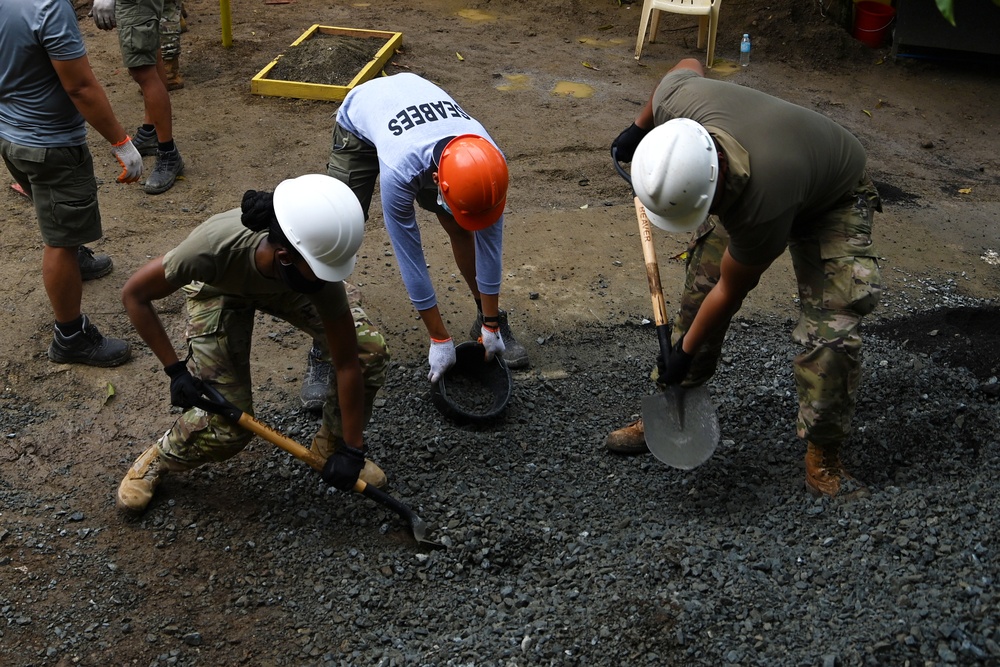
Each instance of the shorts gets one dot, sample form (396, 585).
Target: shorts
(139, 31)
(61, 184)
(355, 162)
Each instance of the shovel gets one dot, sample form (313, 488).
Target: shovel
(680, 424)
(217, 404)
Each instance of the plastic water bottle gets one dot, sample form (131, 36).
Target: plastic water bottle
(745, 50)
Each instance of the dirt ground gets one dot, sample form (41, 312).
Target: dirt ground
(572, 256)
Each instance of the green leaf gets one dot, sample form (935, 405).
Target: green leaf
(947, 9)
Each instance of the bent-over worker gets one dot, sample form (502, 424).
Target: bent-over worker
(776, 175)
(412, 137)
(287, 255)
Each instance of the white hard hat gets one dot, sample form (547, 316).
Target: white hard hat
(675, 171)
(323, 220)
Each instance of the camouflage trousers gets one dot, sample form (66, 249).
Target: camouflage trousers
(170, 29)
(839, 282)
(219, 332)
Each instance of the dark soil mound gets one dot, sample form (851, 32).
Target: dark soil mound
(959, 337)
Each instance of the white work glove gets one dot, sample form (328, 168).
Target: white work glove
(104, 14)
(128, 157)
(441, 357)
(490, 337)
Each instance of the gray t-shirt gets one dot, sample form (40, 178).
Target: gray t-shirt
(34, 108)
(220, 253)
(787, 164)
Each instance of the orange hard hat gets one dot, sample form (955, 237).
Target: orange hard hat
(472, 175)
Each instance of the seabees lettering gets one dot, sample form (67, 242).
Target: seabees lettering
(418, 114)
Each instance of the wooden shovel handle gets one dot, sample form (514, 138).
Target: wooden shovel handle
(217, 404)
(653, 277)
(297, 450)
(300, 452)
(652, 267)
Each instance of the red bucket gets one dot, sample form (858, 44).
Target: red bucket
(872, 21)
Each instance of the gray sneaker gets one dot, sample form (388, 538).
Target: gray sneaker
(92, 266)
(168, 167)
(88, 347)
(145, 142)
(316, 381)
(515, 355)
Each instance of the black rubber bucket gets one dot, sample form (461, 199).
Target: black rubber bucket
(473, 390)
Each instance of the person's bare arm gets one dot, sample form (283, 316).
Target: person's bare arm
(82, 86)
(724, 300)
(645, 117)
(145, 286)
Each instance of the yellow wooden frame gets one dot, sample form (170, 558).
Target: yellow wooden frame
(261, 85)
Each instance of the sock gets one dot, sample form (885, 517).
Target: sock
(148, 128)
(71, 327)
(166, 146)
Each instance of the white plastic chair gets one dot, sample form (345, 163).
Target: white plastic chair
(708, 23)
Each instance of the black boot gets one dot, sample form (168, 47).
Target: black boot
(92, 266)
(316, 382)
(145, 142)
(89, 347)
(168, 167)
(515, 355)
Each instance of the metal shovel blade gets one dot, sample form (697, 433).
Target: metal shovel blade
(681, 426)
(417, 525)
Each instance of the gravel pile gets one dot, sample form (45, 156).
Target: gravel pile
(558, 553)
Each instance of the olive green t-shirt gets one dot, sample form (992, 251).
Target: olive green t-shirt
(787, 164)
(220, 253)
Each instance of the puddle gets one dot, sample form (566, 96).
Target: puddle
(724, 67)
(602, 43)
(518, 82)
(475, 15)
(573, 89)
(515, 82)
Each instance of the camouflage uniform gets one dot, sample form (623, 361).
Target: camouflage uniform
(170, 29)
(219, 334)
(838, 277)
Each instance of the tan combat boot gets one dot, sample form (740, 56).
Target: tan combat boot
(325, 446)
(629, 439)
(824, 471)
(174, 78)
(141, 480)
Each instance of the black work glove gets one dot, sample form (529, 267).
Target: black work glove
(624, 145)
(185, 389)
(343, 467)
(676, 368)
